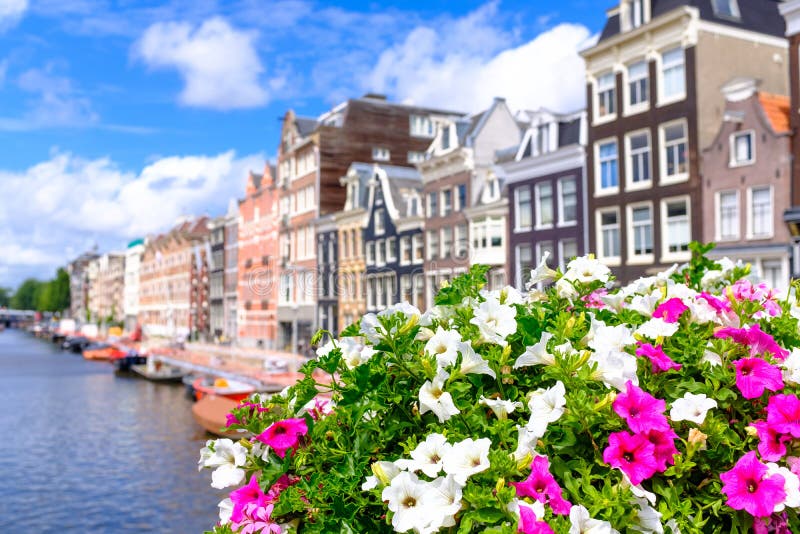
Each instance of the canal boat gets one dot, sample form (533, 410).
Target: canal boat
(124, 361)
(102, 351)
(211, 412)
(221, 387)
(157, 371)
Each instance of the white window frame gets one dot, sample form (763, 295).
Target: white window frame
(380, 252)
(538, 224)
(417, 245)
(633, 109)
(664, 100)
(370, 249)
(444, 251)
(405, 245)
(415, 156)
(735, 13)
(391, 250)
(562, 223)
(733, 162)
(600, 191)
(517, 211)
(522, 278)
(596, 90)
(445, 209)
(608, 260)
(381, 153)
(666, 255)
(718, 215)
(417, 126)
(750, 219)
(379, 221)
(433, 254)
(633, 258)
(630, 185)
(662, 153)
(562, 257)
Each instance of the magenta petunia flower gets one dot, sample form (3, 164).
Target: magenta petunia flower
(756, 339)
(641, 410)
(231, 419)
(754, 375)
(633, 454)
(664, 443)
(284, 435)
(772, 444)
(661, 362)
(747, 487)
(530, 524)
(720, 305)
(670, 310)
(245, 496)
(542, 486)
(783, 414)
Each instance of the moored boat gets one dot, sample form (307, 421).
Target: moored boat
(157, 371)
(221, 387)
(102, 351)
(210, 413)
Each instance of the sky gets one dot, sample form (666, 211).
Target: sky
(119, 117)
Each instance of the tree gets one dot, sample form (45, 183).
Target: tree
(26, 296)
(5, 297)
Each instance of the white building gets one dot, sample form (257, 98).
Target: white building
(133, 262)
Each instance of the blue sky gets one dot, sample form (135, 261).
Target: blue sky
(118, 117)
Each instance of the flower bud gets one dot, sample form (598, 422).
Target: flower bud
(411, 323)
(607, 400)
(698, 438)
(501, 482)
(246, 444)
(751, 431)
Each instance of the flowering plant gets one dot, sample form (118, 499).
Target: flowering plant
(666, 405)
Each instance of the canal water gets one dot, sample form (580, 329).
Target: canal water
(83, 450)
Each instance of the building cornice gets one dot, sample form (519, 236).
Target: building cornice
(564, 159)
(791, 12)
(455, 161)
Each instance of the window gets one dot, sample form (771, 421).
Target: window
(726, 8)
(380, 253)
(674, 166)
(727, 215)
(461, 196)
(772, 273)
(607, 161)
(639, 159)
(447, 242)
(606, 95)
(608, 237)
(760, 212)
(433, 244)
(370, 253)
(543, 139)
(461, 241)
(742, 149)
(416, 157)
(405, 250)
(638, 85)
(405, 288)
(567, 201)
(391, 249)
(344, 251)
(640, 239)
(676, 231)
(433, 204)
(447, 202)
(380, 153)
(446, 137)
(354, 248)
(567, 250)
(286, 288)
(542, 248)
(673, 78)
(524, 264)
(637, 13)
(413, 206)
(523, 211)
(421, 126)
(419, 246)
(379, 221)
(544, 204)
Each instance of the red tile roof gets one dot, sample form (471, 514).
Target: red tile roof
(776, 108)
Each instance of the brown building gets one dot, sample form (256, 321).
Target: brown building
(106, 293)
(746, 174)
(173, 282)
(791, 12)
(653, 83)
(312, 157)
(258, 261)
(465, 210)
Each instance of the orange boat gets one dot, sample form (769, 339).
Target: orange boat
(221, 387)
(103, 352)
(210, 412)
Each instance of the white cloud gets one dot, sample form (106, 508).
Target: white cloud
(65, 203)
(464, 66)
(218, 63)
(11, 11)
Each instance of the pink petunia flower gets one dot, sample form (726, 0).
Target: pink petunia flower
(661, 362)
(670, 310)
(249, 494)
(595, 298)
(530, 524)
(783, 414)
(641, 410)
(747, 487)
(772, 444)
(756, 339)
(633, 454)
(754, 375)
(231, 419)
(721, 306)
(284, 435)
(664, 443)
(256, 519)
(542, 486)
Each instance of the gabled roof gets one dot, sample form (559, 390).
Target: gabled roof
(760, 16)
(305, 125)
(397, 185)
(776, 109)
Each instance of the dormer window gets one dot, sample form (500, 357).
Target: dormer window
(421, 126)
(380, 153)
(637, 13)
(728, 9)
(543, 139)
(446, 137)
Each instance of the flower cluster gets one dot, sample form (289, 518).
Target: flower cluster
(666, 405)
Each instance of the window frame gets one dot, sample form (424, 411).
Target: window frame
(633, 258)
(379, 216)
(518, 211)
(563, 259)
(663, 179)
(600, 191)
(608, 260)
(630, 185)
(562, 222)
(644, 105)
(751, 235)
(666, 255)
(381, 153)
(718, 215)
(733, 161)
(538, 224)
(416, 120)
(663, 99)
(597, 90)
(519, 275)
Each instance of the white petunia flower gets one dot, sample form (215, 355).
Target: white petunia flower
(644, 304)
(546, 406)
(566, 289)
(227, 459)
(614, 301)
(711, 278)
(369, 328)
(508, 295)
(405, 308)
(542, 273)
(712, 358)
(615, 368)
(444, 346)
(582, 523)
(611, 338)
(354, 353)
(648, 520)
(500, 407)
(701, 312)
(406, 497)
(495, 321)
(432, 398)
(225, 511)
(536, 354)
(791, 485)
(427, 456)
(657, 327)
(326, 349)
(526, 442)
(382, 475)
(791, 367)
(473, 363)
(692, 408)
(466, 458)
(536, 507)
(586, 270)
(638, 491)
(443, 502)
